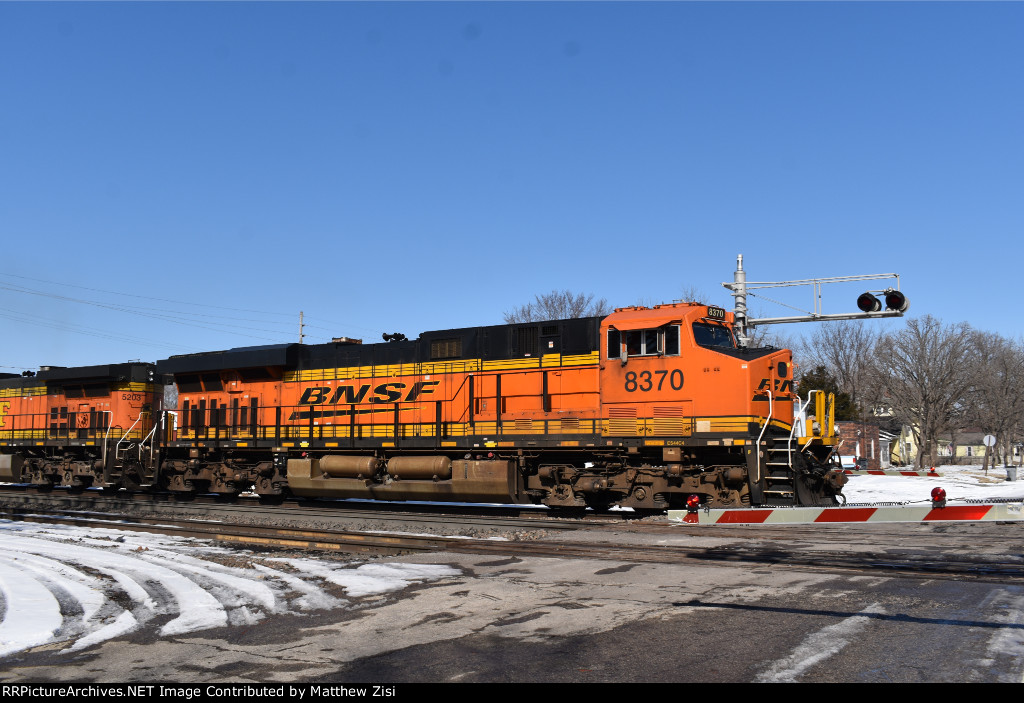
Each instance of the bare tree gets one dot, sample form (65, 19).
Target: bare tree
(769, 336)
(693, 294)
(558, 305)
(927, 371)
(847, 350)
(996, 401)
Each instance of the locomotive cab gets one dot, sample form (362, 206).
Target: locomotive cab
(703, 416)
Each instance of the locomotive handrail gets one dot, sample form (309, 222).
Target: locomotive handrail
(800, 410)
(117, 447)
(767, 421)
(792, 430)
(150, 436)
(107, 435)
(469, 401)
(811, 437)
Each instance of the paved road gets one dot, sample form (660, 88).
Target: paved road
(588, 620)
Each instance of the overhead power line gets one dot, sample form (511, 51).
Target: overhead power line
(75, 329)
(144, 297)
(181, 316)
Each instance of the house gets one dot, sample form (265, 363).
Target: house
(964, 446)
(862, 440)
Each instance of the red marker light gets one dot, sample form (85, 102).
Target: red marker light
(938, 497)
(693, 502)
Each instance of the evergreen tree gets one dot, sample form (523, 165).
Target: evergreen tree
(820, 379)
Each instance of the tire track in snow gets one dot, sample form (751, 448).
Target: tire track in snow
(31, 613)
(75, 592)
(82, 587)
(197, 608)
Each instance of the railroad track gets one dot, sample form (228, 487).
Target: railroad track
(248, 535)
(766, 549)
(298, 524)
(877, 565)
(306, 510)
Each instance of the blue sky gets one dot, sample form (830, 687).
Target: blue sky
(206, 171)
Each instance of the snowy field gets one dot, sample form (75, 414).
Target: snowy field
(77, 587)
(960, 482)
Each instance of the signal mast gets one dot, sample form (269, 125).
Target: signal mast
(870, 306)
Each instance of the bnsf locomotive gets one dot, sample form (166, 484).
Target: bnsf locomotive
(648, 408)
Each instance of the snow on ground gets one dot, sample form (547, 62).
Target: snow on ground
(960, 482)
(80, 586)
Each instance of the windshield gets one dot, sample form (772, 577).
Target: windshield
(712, 335)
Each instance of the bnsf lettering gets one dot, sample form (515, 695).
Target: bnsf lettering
(313, 395)
(421, 388)
(780, 385)
(350, 394)
(384, 393)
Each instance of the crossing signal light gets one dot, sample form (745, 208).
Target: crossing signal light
(894, 300)
(868, 303)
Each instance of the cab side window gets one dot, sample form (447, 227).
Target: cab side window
(658, 341)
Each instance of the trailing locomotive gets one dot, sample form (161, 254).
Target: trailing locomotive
(79, 427)
(646, 408)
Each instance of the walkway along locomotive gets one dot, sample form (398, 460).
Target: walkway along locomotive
(645, 408)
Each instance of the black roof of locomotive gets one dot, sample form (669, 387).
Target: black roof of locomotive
(572, 336)
(132, 371)
(237, 358)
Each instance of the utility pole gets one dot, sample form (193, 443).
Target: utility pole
(301, 336)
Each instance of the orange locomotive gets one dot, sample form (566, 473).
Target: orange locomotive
(646, 408)
(79, 427)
